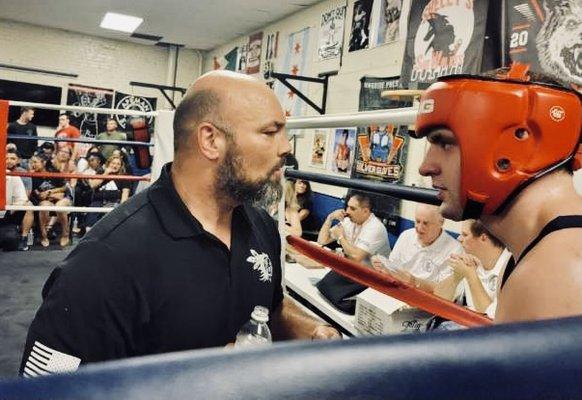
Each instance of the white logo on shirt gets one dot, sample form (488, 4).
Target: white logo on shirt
(43, 360)
(492, 283)
(262, 263)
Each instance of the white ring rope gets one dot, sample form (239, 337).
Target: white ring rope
(399, 116)
(60, 209)
(93, 110)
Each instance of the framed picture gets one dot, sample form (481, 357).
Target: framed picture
(343, 145)
(319, 150)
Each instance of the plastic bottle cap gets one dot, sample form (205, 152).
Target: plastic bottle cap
(260, 314)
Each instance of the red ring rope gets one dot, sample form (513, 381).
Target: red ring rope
(389, 285)
(63, 175)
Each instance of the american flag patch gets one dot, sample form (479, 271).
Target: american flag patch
(43, 360)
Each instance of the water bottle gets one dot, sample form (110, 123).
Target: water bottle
(30, 238)
(255, 332)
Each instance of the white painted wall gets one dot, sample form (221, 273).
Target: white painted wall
(344, 88)
(99, 62)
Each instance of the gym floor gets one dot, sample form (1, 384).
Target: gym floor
(22, 276)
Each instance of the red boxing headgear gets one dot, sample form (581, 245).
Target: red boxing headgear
(510, 132)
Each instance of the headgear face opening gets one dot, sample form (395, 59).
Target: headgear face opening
(510, 132)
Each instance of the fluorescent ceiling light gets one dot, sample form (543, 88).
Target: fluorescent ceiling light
(120, 22)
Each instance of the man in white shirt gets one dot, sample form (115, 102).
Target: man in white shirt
(16, 195)
(420, 254)
(360, 233)
(476, 273)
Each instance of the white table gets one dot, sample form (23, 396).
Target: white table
(301, 281)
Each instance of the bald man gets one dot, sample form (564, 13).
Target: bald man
(420, 254)
(182, 264)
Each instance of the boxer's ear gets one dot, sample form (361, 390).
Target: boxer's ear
(210, 140)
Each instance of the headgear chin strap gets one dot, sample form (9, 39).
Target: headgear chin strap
(510, 131)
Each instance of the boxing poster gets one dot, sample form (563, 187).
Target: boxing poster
(444, 38)
(342, 147)
(331, 33)
(387, 21)
(381, 150)
(295, 63)
(319, 148)
(272, 46)
(125, 101)
(547, 34)
(90, 124)
(254, 53)
(360, 30)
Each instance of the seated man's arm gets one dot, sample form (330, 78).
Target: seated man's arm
(465, 266)
(89, 314)
(324, 237)
(290, 322)
(447, 288)
(352, 251)
(371, 240)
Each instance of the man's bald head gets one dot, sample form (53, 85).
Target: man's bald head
(428, 223)
(210, 98)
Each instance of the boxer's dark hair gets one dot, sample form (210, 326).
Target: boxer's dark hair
(25, 109)
(193, 109)
(478, 229)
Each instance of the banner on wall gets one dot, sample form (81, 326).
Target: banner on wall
(443, 38)
(295, 64)
(547, 35)
(331, 33)
(343, 147)
(360, 30)
(90, 124)
(387, 21)
(272, 46)
(381, 150)
(125, 101)
(254, 53)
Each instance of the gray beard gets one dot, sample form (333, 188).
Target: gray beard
(231, 184)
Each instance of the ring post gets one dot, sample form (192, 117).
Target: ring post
(3, 135)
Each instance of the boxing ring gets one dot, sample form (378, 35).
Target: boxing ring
(527, 360)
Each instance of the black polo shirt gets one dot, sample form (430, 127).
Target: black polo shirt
(149, 279)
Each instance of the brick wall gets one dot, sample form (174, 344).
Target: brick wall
(98, 62)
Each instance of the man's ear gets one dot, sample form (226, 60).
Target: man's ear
(483, 237)
(210, 141)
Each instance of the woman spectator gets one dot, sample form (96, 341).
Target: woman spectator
(292, 220)
(107, 191)
(305, 199)
(62, 161)
(89, 165)
(83, 163)
(49, 192)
